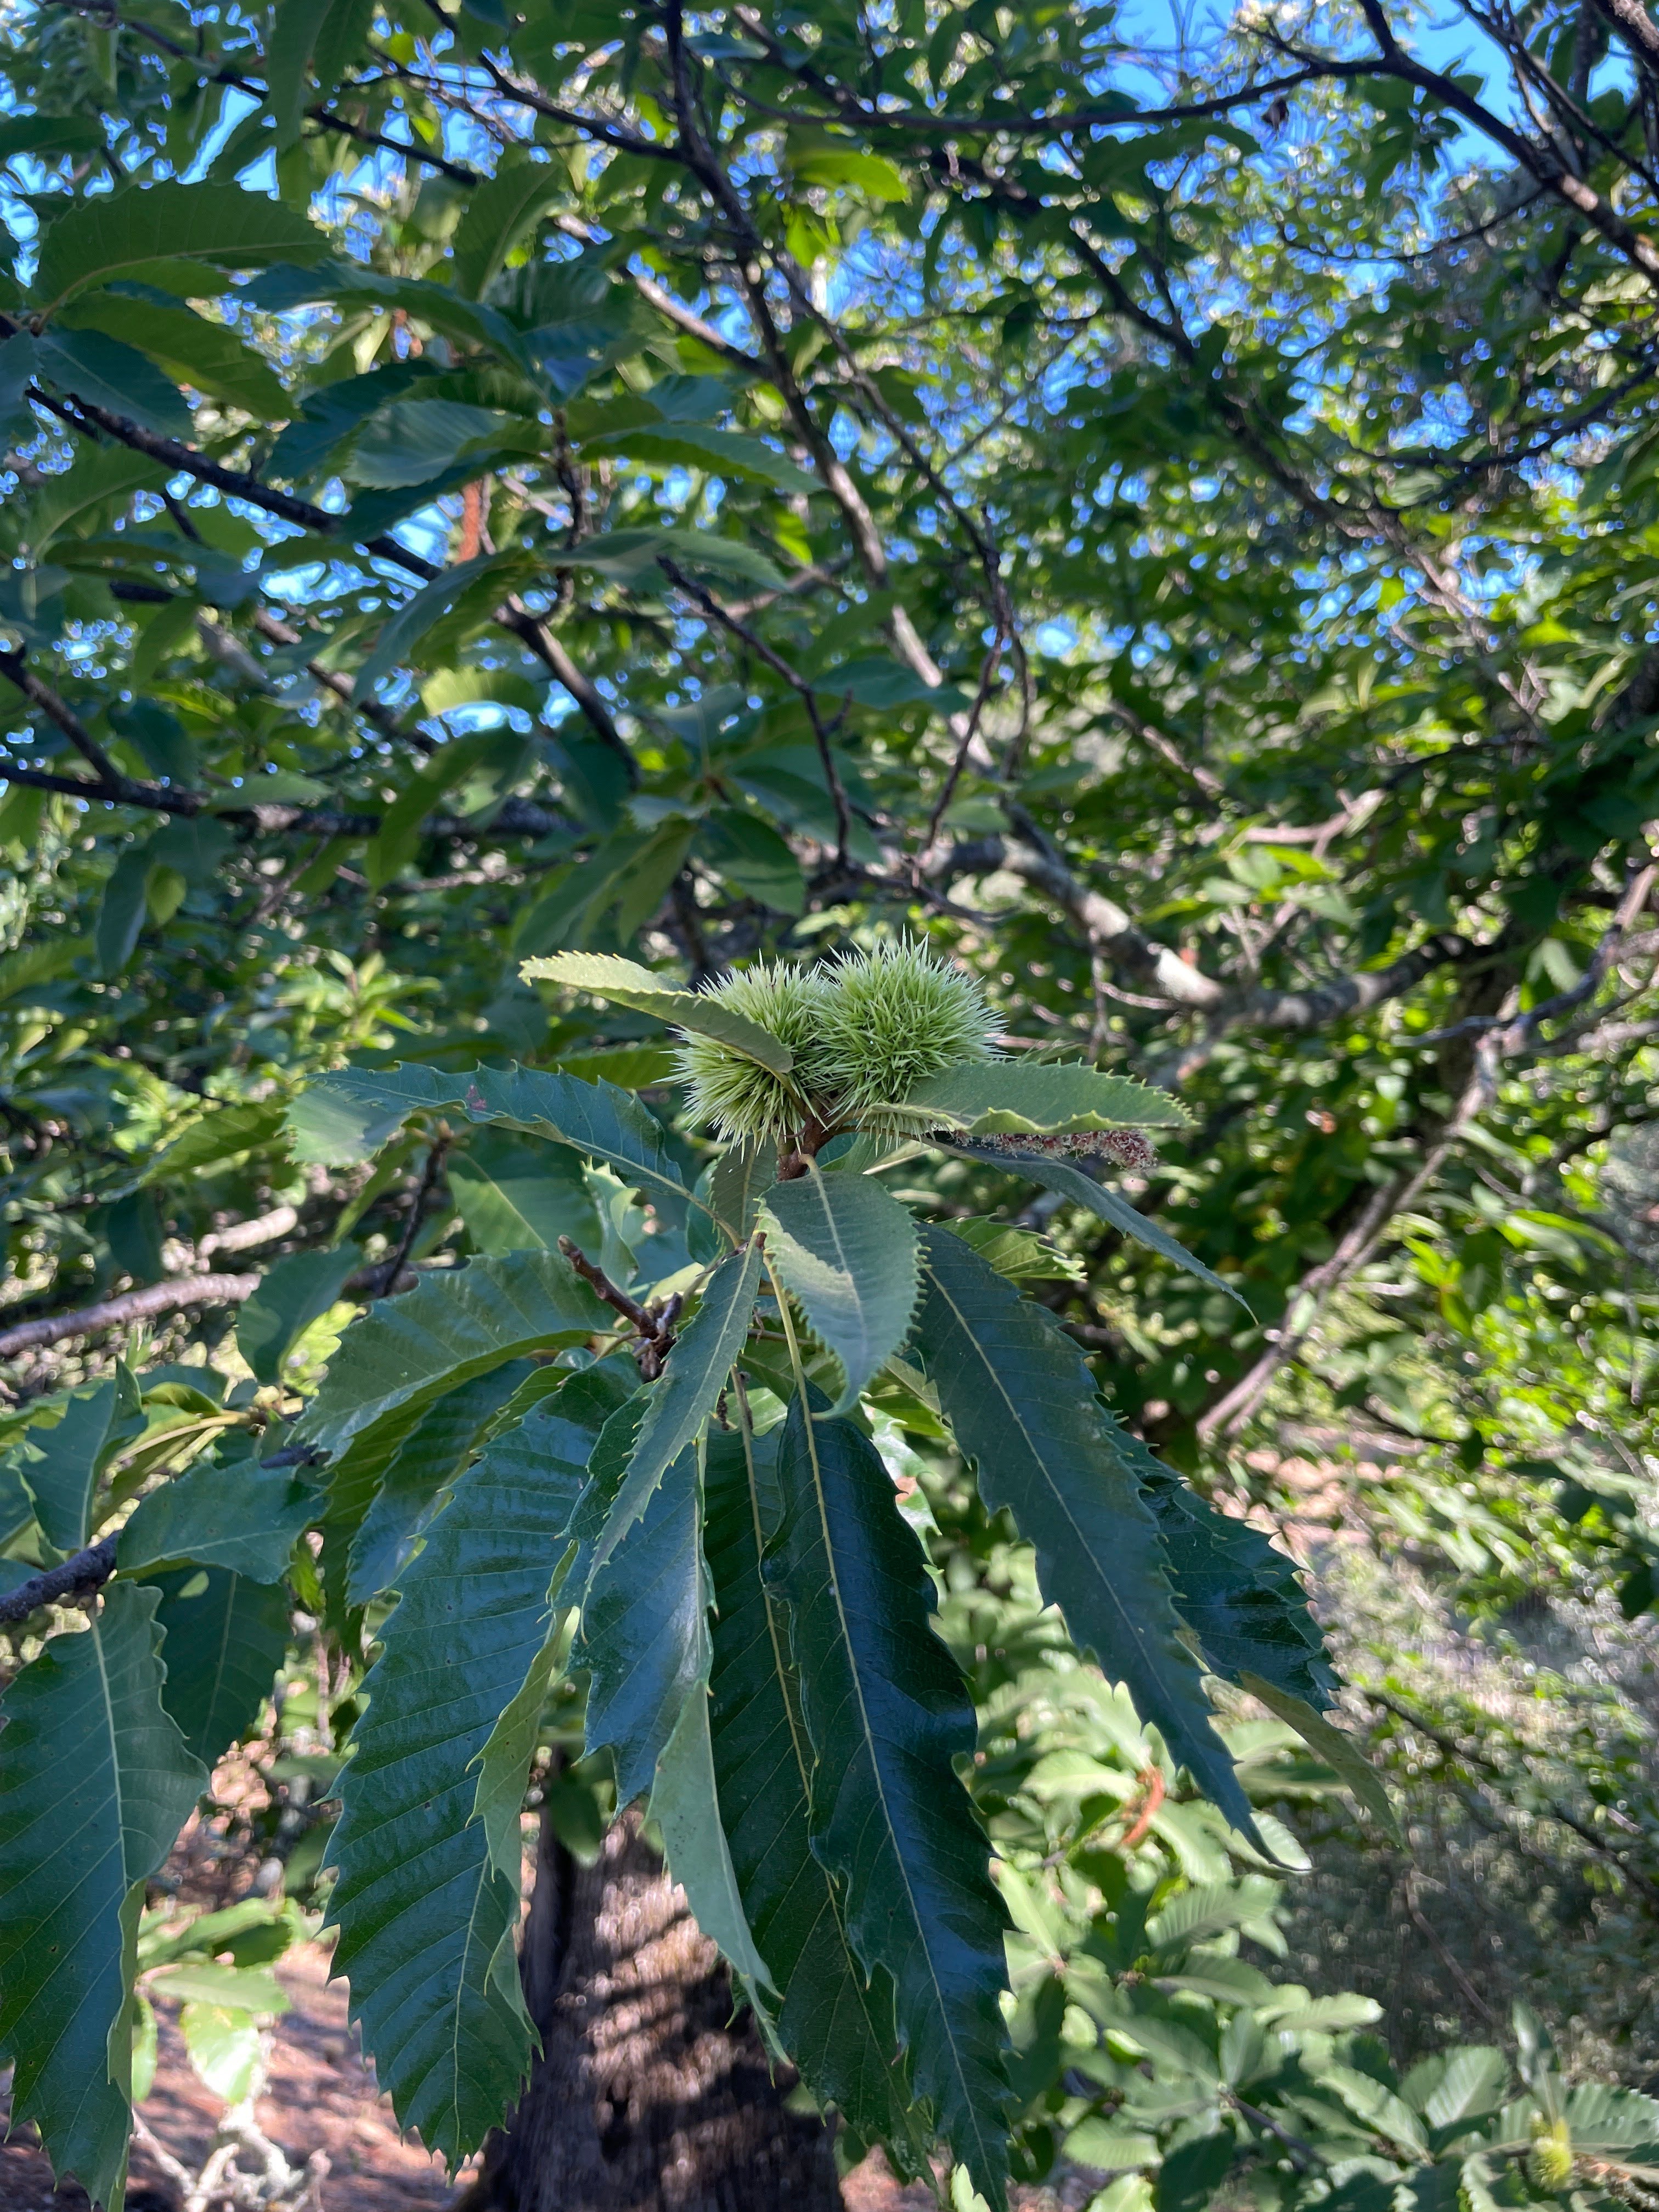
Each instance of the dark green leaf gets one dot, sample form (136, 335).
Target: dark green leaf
(437, 306)
(1237, 1593)
(848, 1250)
(61, 1462)
(104, 238)
(887, 1715)
(226, 1639)
(700, 446)
(626, 984)
(645, 1625)
(432, 1454)
(740, 1177)
(321, 36)
(193, 350)
(121, 911)
(349, 1114)
(453, 1326)
(427, 1921)
(295, 1291)
(751, 854)
(416, 615)
(110, 373)
(833, 2020)
(233, 1514)
(416, 439)
(685, 1807)
(1105, 1204)
(684, 1395)
(95, 1785)
(49, 134)
(216, 1141)
(1005, 1097)
(517, 1195)
(499, 213)
(1021, 1254)
(1021, 1403)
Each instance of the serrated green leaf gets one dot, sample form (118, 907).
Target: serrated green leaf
(503, 1765)
(633, 1066)
(1009, 1096)
(121, 911)
(189, 347)
(684, 1395)
(632, 556)
(1104, 1203)
(1021, 1254)
(848, 1250)
(415, 439)
(438, 305)
(352, 1112)
(226, 1641)
(1337, 1749)
(100, 482)
(50, 134)
(1021, 1403)
(416, 615)
(685, 1807)
(518, 1196)
(750, 854)
(645, 1627)
(887, 1714)
(498, 214)
(626, 984)
(1239, 1595)
(738, 1181)
(31, 965)
(316, 36)
(102, 239)
(294, 1291)
(61, 1463)
(233, 1514)
(453, 1326)
(700, 446)
(1450, 2086)
(428, 1458)
(833, 2020)
(110, 373)
(427, 1921)
(215, 1141)
(94, 1786)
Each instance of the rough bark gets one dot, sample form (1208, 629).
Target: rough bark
(649, 2096)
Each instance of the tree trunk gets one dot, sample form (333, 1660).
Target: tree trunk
(649, 2096)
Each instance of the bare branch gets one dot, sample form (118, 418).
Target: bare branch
(797, 683)
(58, 710)
(131, 1306)
(80, 1576)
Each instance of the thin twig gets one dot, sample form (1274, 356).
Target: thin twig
(798, 683)
(652, 1326)
(146, 1304)
(386, 1274)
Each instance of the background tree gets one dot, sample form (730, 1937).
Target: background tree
(1174, 526)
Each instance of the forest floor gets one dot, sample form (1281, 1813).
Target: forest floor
(320, 2095)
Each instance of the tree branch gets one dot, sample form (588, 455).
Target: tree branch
(80, 1576)
(514, 818)
(132, 1305)
(240, 483)
(652, 1326)
(58, 710)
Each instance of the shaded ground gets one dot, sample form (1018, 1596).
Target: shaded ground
(320, 2095)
